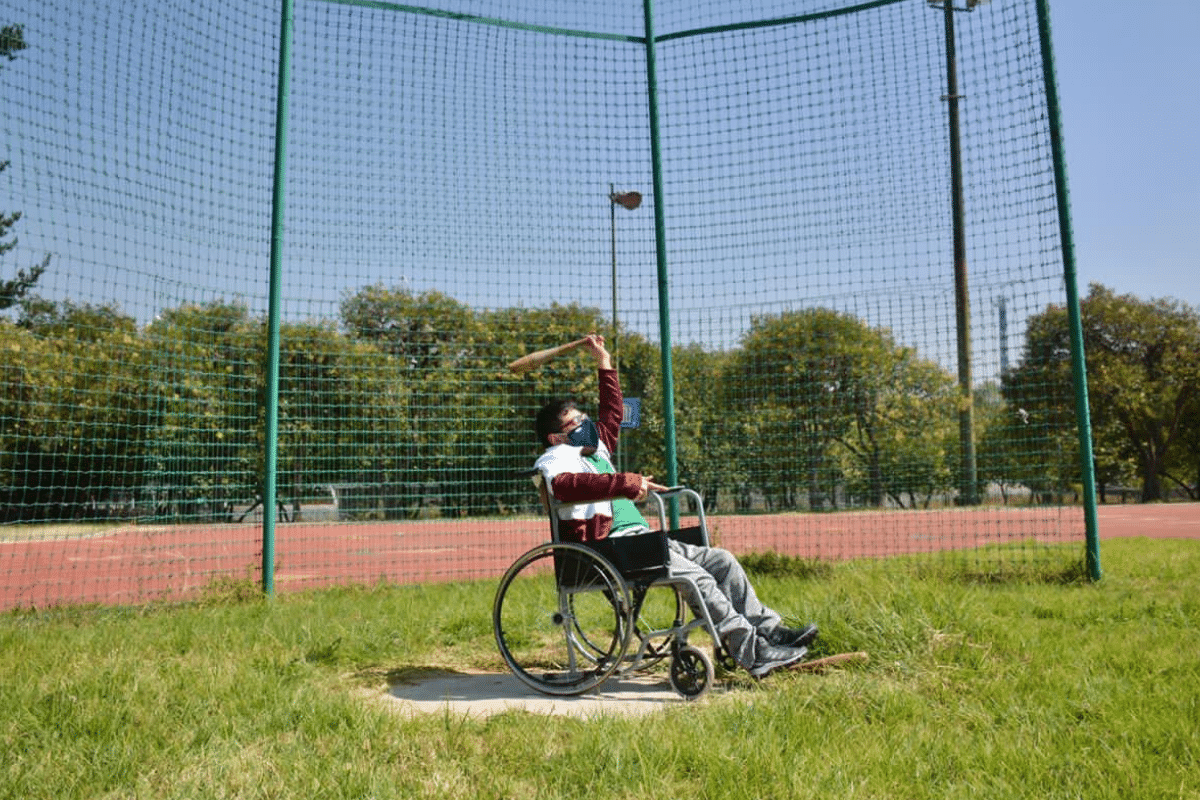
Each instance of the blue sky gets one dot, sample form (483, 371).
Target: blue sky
(1127, 75)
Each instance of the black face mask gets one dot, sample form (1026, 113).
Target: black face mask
(585, 435)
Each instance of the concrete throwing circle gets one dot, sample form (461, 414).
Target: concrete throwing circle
(484, 694)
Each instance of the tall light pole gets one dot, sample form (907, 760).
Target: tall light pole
(630, 201)
(968, 481)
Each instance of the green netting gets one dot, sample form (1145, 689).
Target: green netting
(446, 209)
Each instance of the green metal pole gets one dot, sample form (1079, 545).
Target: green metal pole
(660, 236)
(1078, 363)
(270, 460)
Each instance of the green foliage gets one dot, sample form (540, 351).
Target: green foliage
(902, 438)
(794, 385)
(407, 407)
(710, 453)
(12, 41)
(829, 402)
(203, 451)
(1143, 365)
(78, 410)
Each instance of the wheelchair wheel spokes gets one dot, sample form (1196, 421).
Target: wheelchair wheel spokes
(560, 636)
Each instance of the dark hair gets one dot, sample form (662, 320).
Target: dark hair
(549, 419)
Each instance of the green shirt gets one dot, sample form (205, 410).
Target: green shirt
(625, 513)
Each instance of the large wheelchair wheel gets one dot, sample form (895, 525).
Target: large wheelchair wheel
(562, 618)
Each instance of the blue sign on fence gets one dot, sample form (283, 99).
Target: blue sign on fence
(633, 413)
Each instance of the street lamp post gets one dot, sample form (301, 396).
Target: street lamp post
(968, 482)
(630, 201)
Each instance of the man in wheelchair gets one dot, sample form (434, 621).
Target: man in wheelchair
(576, 468)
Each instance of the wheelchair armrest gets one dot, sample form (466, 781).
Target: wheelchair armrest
(676, 491)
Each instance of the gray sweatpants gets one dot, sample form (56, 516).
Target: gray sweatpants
(727, 594)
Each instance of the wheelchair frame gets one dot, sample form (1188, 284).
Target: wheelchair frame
(567, 615)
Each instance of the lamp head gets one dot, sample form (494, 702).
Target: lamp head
(629, 200)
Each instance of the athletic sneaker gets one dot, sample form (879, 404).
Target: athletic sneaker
(769, 657)
(787, 637)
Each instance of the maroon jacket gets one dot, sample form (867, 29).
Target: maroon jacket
(574, 480)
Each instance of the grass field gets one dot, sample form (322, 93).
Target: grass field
(1038, 689)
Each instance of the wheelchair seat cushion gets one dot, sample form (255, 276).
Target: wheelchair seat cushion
(693, 535)
(642, 555)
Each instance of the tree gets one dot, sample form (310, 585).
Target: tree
(203, 455)
(12, 40)
(793, 387)
(707, 447)
(342, 412)
(902, 428)
(424, 332)
(343, 418)
(76, 435)
(783, 386)
(1187, 466)
(1143, 365)
(823, 402)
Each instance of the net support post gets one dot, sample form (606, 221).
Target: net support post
(660, 248)
(1074, 318)
(271, 444)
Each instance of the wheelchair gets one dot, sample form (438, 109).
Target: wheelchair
(568, 616)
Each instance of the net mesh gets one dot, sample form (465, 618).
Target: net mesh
(447, 210)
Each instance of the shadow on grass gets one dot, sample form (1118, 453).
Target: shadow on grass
(776, 565)
(991, 566)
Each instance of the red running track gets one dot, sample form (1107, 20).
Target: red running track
(141, 564)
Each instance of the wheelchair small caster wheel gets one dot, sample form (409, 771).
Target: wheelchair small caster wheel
(691, 672)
